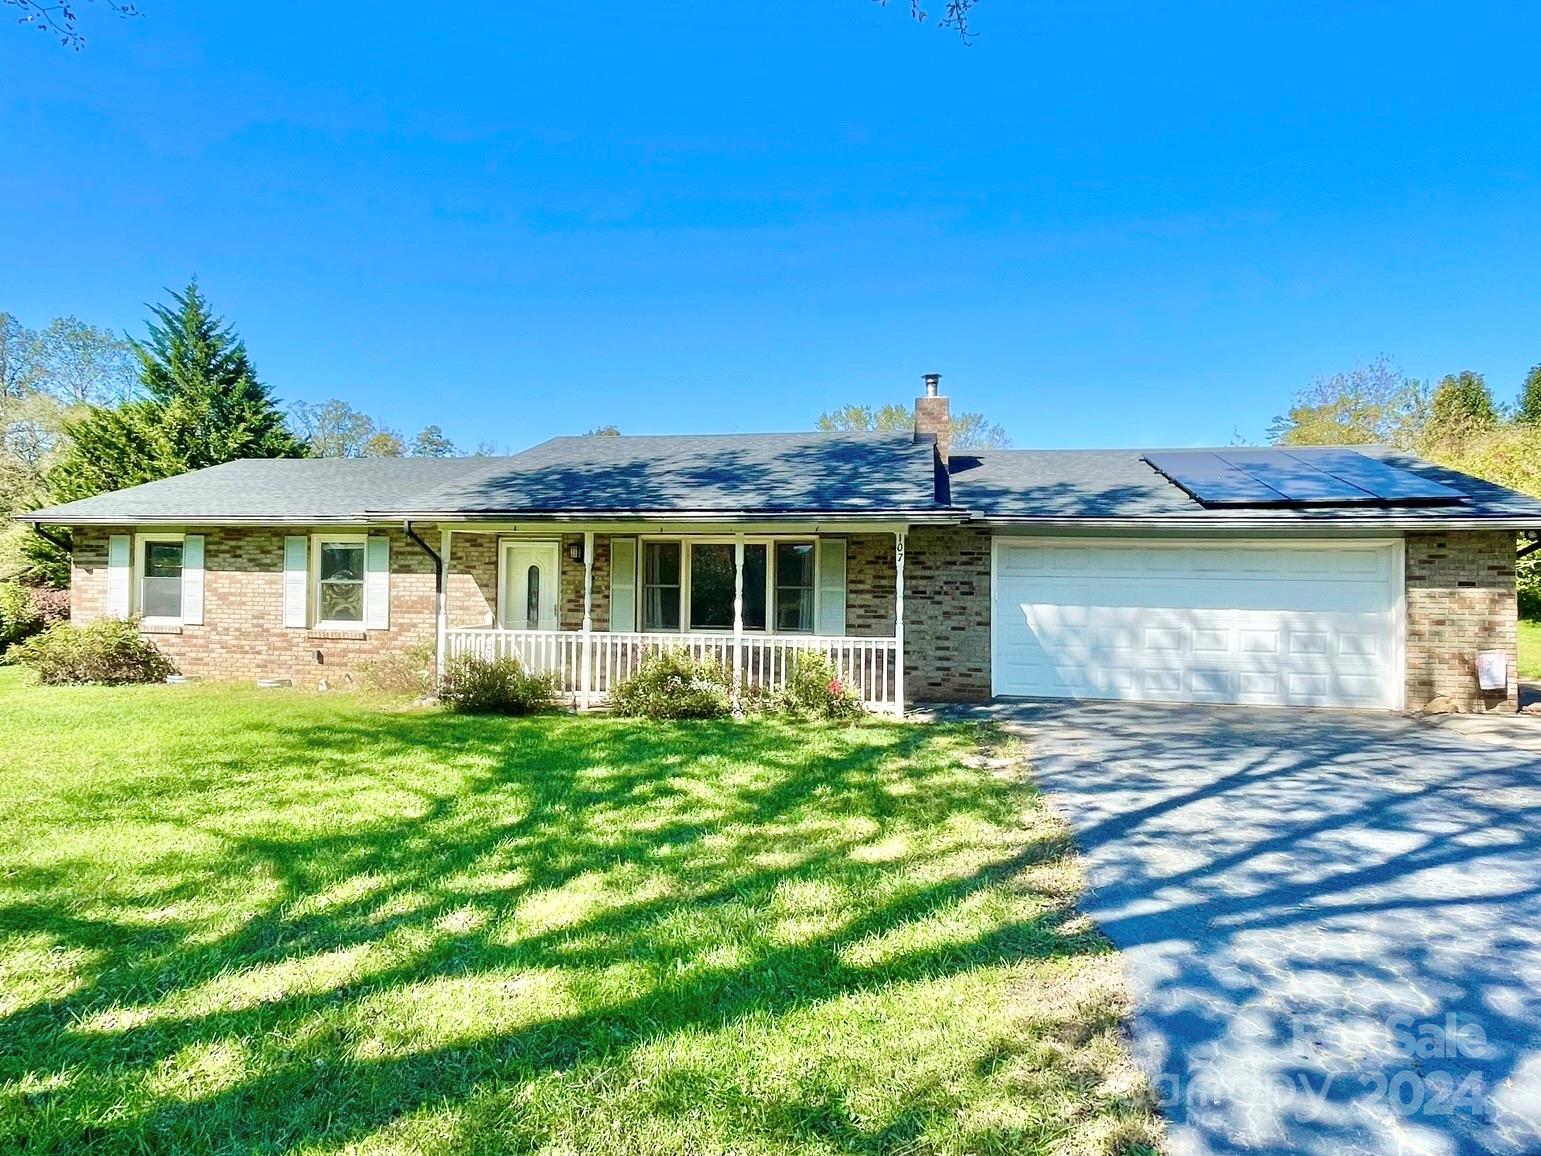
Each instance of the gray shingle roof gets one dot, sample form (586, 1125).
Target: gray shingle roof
(1118, 485)
(857, 473)
(853, 475)
(264, 490)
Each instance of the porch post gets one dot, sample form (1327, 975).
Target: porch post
(588, 620)
(738, 610)
(441, 611)
(899, 623)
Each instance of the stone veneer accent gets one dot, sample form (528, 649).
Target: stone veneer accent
(243, 635)
(947, 614)
(1460, 599)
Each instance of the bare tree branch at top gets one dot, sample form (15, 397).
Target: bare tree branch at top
(955, 15)
(61, 18)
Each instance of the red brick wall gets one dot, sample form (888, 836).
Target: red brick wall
(1460, 599)
(243, 635)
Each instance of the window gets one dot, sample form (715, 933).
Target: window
(532, 598)
(689, 585)
(794, 587)
(340, 582)
(755, 575)
(661, 585)
(160, 578)
(711, 586)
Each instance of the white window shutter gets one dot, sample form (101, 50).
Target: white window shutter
(623, 584)
(192, 580)
(832, 586)
(296, 581)
(120, 569)
(377, 583)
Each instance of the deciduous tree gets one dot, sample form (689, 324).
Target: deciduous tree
(1528, 409)
(969, 431)
(431, 443)
(1369, 404)
(1461, 408)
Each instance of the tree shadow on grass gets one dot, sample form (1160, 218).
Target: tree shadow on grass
(588, 892)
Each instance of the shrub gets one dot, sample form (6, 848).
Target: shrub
(52, 604)
(473, 685)
(673, 685)
(108, 651)
(815, 689)
(19, 615)
(407, 673)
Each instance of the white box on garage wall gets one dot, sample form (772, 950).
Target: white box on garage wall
(1493, 669)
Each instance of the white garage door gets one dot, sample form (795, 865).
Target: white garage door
(1307, 624)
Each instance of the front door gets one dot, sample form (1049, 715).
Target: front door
(530, 594)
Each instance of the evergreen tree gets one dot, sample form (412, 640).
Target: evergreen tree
(200, 404)
(196, 369)
(1529, 408)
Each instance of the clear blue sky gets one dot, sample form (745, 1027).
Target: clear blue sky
(1105, 223)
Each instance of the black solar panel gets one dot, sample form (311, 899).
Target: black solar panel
(1297, 477)
(1300, 482)
(1213, 481)
(1385, 481)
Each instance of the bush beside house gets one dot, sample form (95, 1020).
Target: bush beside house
(473, 685)
(674, 685)
(28, 610)
(815, 690)
(109, 652)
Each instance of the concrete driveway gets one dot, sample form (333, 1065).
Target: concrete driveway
(1331, 920)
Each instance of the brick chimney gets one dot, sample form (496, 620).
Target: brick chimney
(932, 417)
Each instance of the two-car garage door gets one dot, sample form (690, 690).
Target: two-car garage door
(1300, 624)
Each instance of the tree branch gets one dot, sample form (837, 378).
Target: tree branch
(60, 18)
(955, 15)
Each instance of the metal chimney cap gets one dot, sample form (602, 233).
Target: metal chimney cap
(932, 380)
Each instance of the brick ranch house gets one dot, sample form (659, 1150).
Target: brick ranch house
(1359, 578)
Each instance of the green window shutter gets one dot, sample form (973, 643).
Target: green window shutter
(296, 581)
(120, 570)
(377, 583)
(192, 580)
(623, 584)
(832, 586)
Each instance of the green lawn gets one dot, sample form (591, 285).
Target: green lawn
(1530, 649)
(244, 921)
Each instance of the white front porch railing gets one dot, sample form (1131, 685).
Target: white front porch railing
(764, 660)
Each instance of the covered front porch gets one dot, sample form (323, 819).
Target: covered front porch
(590, 604)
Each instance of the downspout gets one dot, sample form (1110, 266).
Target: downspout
(440, 606)
(49, 536)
